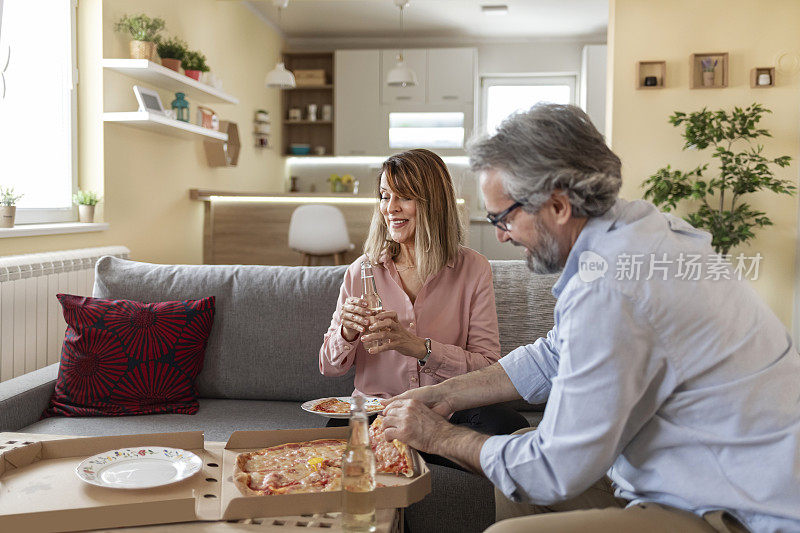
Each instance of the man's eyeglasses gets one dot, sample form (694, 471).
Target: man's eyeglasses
(499, 221)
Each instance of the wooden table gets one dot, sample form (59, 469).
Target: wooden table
(389, 520)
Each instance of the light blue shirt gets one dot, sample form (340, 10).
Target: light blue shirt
(685, 392)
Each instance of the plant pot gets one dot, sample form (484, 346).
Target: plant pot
(194, 74)
(86, 213)
(7, 214)
(142, 50)
(708, 78)
(172, 64)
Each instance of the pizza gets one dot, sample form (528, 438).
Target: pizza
(313, 466)
(295, 467)
(337, 406)
(390, 457)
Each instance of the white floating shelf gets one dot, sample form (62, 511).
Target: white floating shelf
(159, 123)
(164, 78)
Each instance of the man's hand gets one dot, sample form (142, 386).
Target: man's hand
(432, 397)
(412, 422)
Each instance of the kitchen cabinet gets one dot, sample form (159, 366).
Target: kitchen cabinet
(417, 60)
(361, 127)
(451, 75)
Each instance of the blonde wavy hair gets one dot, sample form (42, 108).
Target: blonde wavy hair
(422, 176)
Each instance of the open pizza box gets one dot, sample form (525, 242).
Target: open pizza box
(40, 491)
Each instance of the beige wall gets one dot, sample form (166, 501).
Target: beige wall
(755, 33)
(145, 177)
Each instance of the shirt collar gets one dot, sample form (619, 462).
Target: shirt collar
(595, 227)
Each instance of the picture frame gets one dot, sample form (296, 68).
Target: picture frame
(148, 100)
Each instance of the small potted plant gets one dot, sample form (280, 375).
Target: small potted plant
(8, 208)
(194, 64)
(709, 64)
(86, 201)
(144, 31)
(171, 52)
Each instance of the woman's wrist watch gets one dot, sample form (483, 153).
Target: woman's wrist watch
(427, 353)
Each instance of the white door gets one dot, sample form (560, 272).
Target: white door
(360, 127)
(451, 75)
(417, 60)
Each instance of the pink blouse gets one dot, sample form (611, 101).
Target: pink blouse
(455, 309)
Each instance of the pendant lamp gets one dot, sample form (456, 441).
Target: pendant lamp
(279, 77)
(401, 75)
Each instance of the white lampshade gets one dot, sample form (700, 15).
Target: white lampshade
(280, 78)
(401, 75)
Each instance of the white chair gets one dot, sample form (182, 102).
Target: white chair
(317, 230)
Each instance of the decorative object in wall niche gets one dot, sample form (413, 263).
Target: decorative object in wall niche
(171, 52)
(86, 202)
(762, 77)
(327, 112)
(650, 74)
(3, 72)
(319, 150)
(194, 64)
(312, 112)
(180, 107)
(8, 206)
(144, 31)
(341, 183)
(148, 100)
(731, 220)
(294, 186)
(708, 71)
(262, 128)
(709, 65)
(207, 118)
(224, 154)
(295, 113)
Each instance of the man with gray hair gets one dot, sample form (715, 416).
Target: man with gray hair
(673, 394)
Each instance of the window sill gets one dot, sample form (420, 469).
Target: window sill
(30, 230)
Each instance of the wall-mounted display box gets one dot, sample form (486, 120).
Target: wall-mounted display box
(651, 74)
(762, 77)
(708, 70)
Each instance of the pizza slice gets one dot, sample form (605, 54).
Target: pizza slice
(332, 405)
(390, 457)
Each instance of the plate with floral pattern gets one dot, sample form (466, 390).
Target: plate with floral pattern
(139, 468)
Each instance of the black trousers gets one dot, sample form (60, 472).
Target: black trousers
(498, 419)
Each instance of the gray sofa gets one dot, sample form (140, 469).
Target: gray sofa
(261, 362)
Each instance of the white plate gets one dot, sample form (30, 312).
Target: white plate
(369, 401)
(139, 468)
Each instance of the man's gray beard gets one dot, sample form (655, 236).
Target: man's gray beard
(546, 257)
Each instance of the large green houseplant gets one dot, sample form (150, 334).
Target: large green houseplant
(718, 199)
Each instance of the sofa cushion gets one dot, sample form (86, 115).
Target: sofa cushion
(268, 326)
(122, 357)
(217, 418)
(524, 303)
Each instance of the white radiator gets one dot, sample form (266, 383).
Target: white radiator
(31, 323)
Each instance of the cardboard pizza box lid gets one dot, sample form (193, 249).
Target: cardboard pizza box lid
(39, 490)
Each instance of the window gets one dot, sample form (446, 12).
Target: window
(504, 96)
(426, 130)
(38, 107)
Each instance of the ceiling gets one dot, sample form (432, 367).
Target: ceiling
(438, 19)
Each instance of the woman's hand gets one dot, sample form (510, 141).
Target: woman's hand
(355, 318)
(386, 329)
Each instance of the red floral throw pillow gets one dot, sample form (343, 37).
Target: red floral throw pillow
(130, 358)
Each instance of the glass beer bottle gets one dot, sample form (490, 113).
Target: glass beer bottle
(370, 295)
(358, 475)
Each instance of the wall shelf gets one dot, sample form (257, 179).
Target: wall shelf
(311, 88)
(164, 78)
(145, 120)
(756, 72)
(720, 71)
(657, 69)
(308, 122)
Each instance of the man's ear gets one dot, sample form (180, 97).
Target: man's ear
(561, 208)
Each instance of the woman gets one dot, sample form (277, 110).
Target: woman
(439, 317)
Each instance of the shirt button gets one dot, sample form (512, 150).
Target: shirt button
(413, 379)
(427, 370)
(411, 325)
